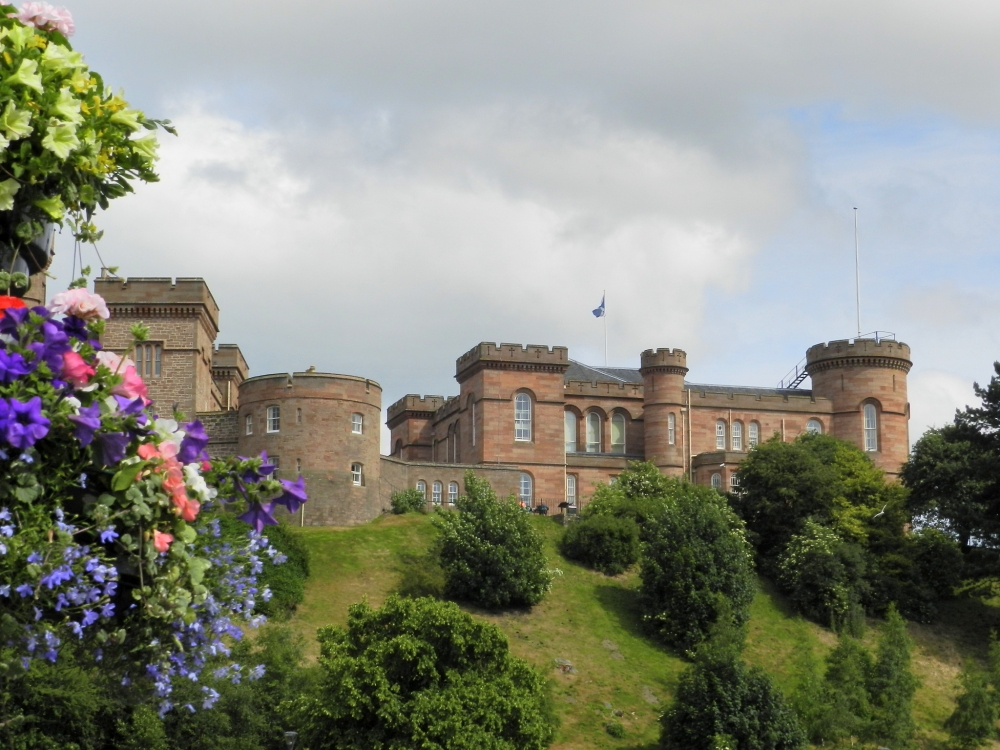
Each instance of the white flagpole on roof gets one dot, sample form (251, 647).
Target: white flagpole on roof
(605, 298)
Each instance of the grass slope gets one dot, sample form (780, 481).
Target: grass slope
(592, 621)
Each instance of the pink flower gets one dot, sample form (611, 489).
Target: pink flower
(161, 541)
(75, 370)
(113, 362)
(46, 17)
(148, 451)
(131, 385)
(81, 303)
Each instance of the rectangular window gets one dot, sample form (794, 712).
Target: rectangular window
(436, 493)
(275, 461)
(473, 424)
(571, 490)
(671, 428)
(356, 475)
(754, 437)
(249, 424)
(617, 434)
(148, 360)
(570, 430)
(737, 436)
(452, 493)
(522, 417)
(298, 465)
(357, 423)
(298, 416)
(274, 419)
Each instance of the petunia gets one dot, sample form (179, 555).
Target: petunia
(15, 123)
(75, 369)
(27, 75)
(8, 189)
(25, 424)
(18, 36)
(12, 366)
(259, 516)
(87, 423)
(194, 442)
(109, 448)
(67, 107)
(146, 147)
(57, 57)
(128, 117)
(131, 386)
(294, 494)
(81, 304)
(61, 140)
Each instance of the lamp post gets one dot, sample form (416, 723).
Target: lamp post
(290, 739)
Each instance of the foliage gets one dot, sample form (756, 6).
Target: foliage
(823, 575)
(408, 501)
(609, 544)
(489, 551)
(892, 684)
(284, 574)
(838, 706)
(973, 723)
(67, 139)
(422, 673)
(697, 558)
(615, 729)
(638, 493)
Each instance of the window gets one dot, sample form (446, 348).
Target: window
(571, 420)
(356, 476)
(298, 465)
(814, 427)
(720, 435)
(571, 490)
(618, 433)
(737, 436)
(717, 482)
(436, 493)
(274, 461)
(734, 483)
(273, 418)
(753, 436)
(594, 432)
(357, 423)
(249, 424)
(671, 428)
(422, 488)
(524, 492)
(871, 428)
(148, 360)
(473, 424)
(522, 417)
(452, 493)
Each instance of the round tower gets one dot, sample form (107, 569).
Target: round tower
(663, 372)
(324, 427)
(866, 381)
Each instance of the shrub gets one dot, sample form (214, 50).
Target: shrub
(696, 560)
(605, 543)
(615, 729)
(638, 493)
(408, 501)
(489, 552)
(422, 673)
(973, 723)
(893, 684)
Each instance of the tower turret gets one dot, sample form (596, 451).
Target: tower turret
(663, 372)
(866, 381)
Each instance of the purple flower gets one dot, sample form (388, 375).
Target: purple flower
(25, 590)
(89, 617)
(87, 422)
(34, 558)
(259, 516)
(109, 448)
(194, 442)
(12, 367)
(53, 345)
(294, 494)
(23, 423)
(108, 535)
(108, 610)
(76, 327)
(57, 576)
(12, 319)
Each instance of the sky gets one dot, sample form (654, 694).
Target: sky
(374, 187)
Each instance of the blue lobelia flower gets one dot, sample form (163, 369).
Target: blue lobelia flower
(25, 590)
(259, 516)
(109, 448)
(294, 494)
(108, 535)
(87, 422)
(57, 576)
(194, 442)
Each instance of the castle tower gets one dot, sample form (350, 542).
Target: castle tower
(663, 372)
(866, 381)
(411, 424)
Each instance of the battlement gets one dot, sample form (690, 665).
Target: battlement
(882, 353)
(488, 355)
(229, 357)
(149, 293)
(413, 404)
(668, 360)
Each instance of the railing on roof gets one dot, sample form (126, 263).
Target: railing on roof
(794, 377)
(879, 335)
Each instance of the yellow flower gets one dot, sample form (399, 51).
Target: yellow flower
(60, 138)
(8, 189)
(27, 75)
(67, 107)
(16, 123)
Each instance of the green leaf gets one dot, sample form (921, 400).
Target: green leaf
(124, 478)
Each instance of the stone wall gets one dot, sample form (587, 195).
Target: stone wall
(222, 430)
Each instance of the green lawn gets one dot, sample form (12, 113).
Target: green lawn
(591, 620)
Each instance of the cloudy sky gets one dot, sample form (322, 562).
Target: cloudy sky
(373, 187)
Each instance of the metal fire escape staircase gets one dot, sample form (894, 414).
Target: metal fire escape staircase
(798, 373)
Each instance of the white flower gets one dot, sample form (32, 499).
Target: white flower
(16, 123)
(57, 57)
(67, 107)
(196, 483)
(61, 138)
(27, 75)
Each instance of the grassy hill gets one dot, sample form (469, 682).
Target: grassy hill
(591, 621)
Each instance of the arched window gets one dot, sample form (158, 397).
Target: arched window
(737, 436)
(357, 423)
(273, 418)
(717, 482)
(422, 488)
(720, 435)
(436, 493)
(356, 474)
(871, 428)
(753, 435)
(524, 490)
(571, 490)
(671, 428)
(570, 430)
(618, 433)
(594, 432)
(456, 445)
(522, 417)
(814, 427)
(452, 493)
(249, 424)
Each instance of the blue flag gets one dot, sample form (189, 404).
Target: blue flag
(599, 312)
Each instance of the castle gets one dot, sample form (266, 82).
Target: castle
(527, 418)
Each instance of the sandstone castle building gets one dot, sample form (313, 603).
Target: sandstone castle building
(527, 418)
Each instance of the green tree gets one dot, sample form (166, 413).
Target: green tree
(846, 700)
(490, 553)
(696, 559)
(408, 501)
(422, 673)
(640, 492)
(893, 684)
(605, 543)
(973, 721)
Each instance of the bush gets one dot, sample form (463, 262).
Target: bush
(638, 493)
(973, 723)
(489, 552)
(408, 501)
(422, 673)
(605, 543)
(893, 684)
(696, 561)
(615, 729)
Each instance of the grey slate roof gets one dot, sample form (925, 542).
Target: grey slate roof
(590, 374)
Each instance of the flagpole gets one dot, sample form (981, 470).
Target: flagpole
(857, 271)
(605, 316)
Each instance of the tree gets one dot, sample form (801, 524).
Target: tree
(422, 673)
(846, 699)
(489, 552)
(973, 721)
(696, 559)
(605, 543)
(640, 492)
(407, 501)
(892, 684)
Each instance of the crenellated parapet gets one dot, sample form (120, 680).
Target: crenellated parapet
(880, 353)
(669, 361)
(159, 297)
(413, 406)
(488, 355)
